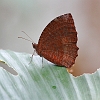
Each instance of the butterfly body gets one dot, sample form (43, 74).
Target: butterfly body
(58, 40)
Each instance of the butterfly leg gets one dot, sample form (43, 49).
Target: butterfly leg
(32, 56)
(42, 62)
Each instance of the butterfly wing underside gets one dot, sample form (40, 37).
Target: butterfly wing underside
(58, 40)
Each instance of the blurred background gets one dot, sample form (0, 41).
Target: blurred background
(32, 16)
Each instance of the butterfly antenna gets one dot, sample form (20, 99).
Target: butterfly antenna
(25, 39)
(28, 36)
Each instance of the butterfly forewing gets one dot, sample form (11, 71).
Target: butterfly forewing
(58, 40)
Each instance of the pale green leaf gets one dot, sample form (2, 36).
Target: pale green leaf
(44, 82)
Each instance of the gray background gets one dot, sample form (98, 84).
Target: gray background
(32, 16)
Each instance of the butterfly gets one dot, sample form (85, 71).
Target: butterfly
(58, 40)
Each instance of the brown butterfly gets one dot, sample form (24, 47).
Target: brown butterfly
(57, 42)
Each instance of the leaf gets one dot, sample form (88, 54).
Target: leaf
(49, 82)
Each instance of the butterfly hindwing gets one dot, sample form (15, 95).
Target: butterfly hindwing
(58, 40)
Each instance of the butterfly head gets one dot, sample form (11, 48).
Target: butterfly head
(34, 46)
